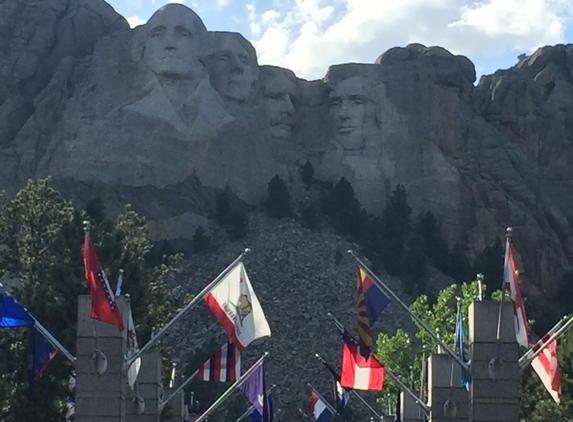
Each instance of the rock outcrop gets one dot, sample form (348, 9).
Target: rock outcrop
(168, 114)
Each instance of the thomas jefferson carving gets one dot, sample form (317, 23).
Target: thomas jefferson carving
(354, 112)
(234, 68)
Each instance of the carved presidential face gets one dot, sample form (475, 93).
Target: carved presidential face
(176, 36)
(348, 107)
(234, 69)
(279, 93)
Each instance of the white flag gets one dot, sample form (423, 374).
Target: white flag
(237, 308)
(132, 349)
(547, 367)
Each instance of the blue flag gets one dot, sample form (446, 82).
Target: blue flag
(460, 345)
(41, 354)
(257, 417)
(342, 396)
(12, 315)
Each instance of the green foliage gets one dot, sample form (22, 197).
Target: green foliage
(201, 241)
(41, 236)
(278, 204)
(237, 225)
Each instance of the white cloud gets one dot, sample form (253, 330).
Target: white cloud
(310, 35)
(176, 1)
(222, 3)
(134, 21)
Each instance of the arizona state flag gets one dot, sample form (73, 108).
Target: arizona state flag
(104, 307)
(371, 302)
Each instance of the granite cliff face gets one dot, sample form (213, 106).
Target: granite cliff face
(167, 114)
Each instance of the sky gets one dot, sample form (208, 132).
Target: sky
(308, 36)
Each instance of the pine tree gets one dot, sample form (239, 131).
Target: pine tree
(201, 241)
(307, 173)
(278, 204)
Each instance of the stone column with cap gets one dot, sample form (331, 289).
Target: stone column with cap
(494, 390)
(447, 398)
(100, 380)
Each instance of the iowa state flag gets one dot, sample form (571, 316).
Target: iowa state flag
(371, 302)
(511, 283)
(234, 303)
(359, 372)
(104, 307)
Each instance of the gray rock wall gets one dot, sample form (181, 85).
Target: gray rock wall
(165, 115)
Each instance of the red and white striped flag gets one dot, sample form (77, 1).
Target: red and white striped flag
(224, 365)
(358, 372)
(511, 283)
(547, 367)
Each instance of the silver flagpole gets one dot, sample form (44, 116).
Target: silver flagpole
(232, 388)
(555, 336)
(382, 286)
(181, 387)
(327, 404)
(186, 309)
(45, 333)
(544, 338)
(250, 409)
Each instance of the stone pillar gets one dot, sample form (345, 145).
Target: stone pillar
(149, 386)
(440, 376)
(100, 398)
(493, 400)
(176, 405)
(410, 411)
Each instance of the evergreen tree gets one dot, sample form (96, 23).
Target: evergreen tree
(346, 214)
(278, 203)
(223, 208)
(459, 265)
(436, 247)
(42, 239)
(490, 263)
(238, 225)
(307, 173)
(201, 241)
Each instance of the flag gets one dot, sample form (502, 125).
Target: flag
(12, 315)
(319, 409)
(460, 345)
(371, 302)
(119, 283)
(41, 354)
(257, 417)
(511, 283)
(341, 396)
(71, 408)
(547, 367)
(254, 389)
(234, 303)
(224, 365)
(132, 349)
(104, 307)
(189, 409)
(359, 372)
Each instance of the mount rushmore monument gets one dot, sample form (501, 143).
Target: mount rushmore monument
(164, 115)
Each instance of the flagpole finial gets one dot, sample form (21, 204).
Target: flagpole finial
(350, 251)
(508, 232)
(246, 251)
(121, 271)
(86, 224)
(127, 297)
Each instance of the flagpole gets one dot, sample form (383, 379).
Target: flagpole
(232, 388)
(327, 404)
(543, 340)
(337, 376)
(45, 333)
(553, 337)
(397, 380)
(189, 306)
(250, 409)
(508, 233)
(381, 285)
(181, 387)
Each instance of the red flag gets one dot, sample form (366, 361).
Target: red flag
(358, 372)
(547, 367)
(104, 307)
(511, 283)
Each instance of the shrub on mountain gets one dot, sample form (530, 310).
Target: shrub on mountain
(278, 203)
